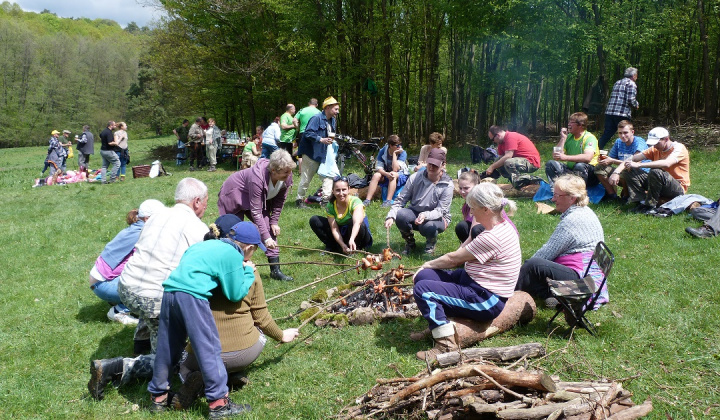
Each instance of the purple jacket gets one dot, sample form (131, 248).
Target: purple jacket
(245, 193)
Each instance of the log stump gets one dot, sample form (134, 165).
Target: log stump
(519, 309)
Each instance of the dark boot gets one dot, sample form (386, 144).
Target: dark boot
(189, 392)
(102, 372)
(141, 347)
(275, 272)
(237, 380)
(409, 242)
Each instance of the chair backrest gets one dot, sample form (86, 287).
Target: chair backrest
(605, 260)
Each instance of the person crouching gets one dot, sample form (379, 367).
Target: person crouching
(185, 312)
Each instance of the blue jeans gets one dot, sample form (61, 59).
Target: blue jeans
(107, 291)
(267, 150)
(123, 162)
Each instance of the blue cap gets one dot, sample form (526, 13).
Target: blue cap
(226, 222)
(247, 233)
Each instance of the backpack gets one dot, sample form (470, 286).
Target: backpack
(478, 154)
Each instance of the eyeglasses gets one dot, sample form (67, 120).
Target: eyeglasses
(560, 195)
(341, 178)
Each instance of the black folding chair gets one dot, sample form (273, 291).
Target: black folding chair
(576, 297)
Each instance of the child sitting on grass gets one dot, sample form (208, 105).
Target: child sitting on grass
(465, 227)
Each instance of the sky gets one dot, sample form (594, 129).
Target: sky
(121, 11)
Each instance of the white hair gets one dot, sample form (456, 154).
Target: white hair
(489, 195)
(189, 189)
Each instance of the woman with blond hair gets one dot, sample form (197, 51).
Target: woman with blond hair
(121, 139)
(566, 255)
(491, 263)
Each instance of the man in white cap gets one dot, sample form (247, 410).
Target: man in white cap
(669, 175)
(319, 133)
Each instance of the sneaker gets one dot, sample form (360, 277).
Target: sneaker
(551, 303)
(387, 203)
(703, 231)
(300, 203)
(652, 211)
(211, 169)
(122, 317)
(640, 208)
(430, 247)
(409, 248)
(366, 203)
(161, 406)
(189, 392)
(229, 409)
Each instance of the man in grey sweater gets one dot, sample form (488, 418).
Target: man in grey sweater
(429, 193)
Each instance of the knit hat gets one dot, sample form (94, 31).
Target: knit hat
(436, 157)
(247, 233)
(150, 207)
(225, 223)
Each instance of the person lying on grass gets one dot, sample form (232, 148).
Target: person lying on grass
(479, 290)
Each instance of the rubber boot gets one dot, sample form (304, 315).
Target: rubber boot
(102, 372)
(140, 367)
(445, 341)
(275, 272)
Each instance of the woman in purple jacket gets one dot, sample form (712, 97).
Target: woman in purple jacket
(259, 192)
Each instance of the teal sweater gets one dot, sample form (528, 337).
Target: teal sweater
(207, 265)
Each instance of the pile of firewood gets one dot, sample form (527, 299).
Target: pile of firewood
(481, 389)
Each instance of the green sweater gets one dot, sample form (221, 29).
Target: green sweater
(208, 265)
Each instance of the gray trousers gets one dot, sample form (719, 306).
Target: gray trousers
(405, 221)
(554, 169)
(83, 160)
(711, 217)
(658, 183)
(109, 157)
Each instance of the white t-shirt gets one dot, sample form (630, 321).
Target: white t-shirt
(497, 259)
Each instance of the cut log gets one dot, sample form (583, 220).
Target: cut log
(537, 381)
(519, 309)
(496, 407)
(501, 354)
(469, 391)
(538, 412)
(603, 407)
(633, 412)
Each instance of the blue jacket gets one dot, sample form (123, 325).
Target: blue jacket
(122, 244)
(316, 129)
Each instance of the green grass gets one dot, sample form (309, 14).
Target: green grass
(661, 324)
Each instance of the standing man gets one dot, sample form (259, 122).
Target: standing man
(65, 142)
(319, 133)
(85, 148)
(577, 153)
(303, 116)
(182, 132)
(288, 128)
(669, 176)
(625, 147)
(518, 155)
(196, 135)
(108, 149)
(622, 102)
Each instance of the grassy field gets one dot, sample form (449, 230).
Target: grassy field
(661, 324)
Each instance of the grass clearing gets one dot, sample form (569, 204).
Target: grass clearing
(661, 323)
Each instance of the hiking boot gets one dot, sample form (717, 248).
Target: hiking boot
(228, 409)
(641, 208)
(386, 203)
(366, 203)
(189, 391)
(237, 380)
(157, 406)
(430, 246)
(102, 371)
(300, 203)
(275, 271)
(442, 345)
(409, 242)
(122, 317)
(703, 231)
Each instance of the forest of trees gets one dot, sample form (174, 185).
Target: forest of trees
(397, 66)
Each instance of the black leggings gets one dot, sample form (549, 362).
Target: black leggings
(462, 230)
(534, 273)
(321, 227)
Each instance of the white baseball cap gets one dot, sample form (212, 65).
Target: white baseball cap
(656, 134)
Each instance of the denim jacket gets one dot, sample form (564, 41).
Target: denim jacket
(317, 128)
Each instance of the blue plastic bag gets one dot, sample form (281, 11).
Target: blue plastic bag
(596, 193)
(543, 193)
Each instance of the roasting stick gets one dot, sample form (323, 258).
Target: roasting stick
(387, 237)
(311, 283)
(327, 252)
(305, 262)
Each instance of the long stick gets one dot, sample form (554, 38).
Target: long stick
(387, 237)
(321, 250)
(310, 284)
(306, 262)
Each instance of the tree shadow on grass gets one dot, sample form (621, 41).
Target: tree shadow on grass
(396, 333)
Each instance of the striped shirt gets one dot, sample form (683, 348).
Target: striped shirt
(497, 259)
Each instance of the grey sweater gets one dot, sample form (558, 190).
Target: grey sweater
(579, 230)
(431, 200)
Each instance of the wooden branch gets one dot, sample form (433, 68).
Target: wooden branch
(603, 408)
(633, 412)
(493, 353)
(305, 262)
(495, 407)
(310, 284)
(382, 381)
(540, 382)
(538, 412)
(472, 390)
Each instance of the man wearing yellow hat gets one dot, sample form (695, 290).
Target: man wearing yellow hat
(56, 153)
(319, 133)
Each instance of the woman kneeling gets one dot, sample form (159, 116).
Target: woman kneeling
(479, 291)
(346, 228)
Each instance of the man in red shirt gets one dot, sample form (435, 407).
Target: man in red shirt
(518, 155)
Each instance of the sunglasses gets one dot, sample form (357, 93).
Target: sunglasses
(341, 178)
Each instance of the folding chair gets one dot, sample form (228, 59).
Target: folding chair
(576, 297)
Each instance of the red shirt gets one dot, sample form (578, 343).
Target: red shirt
(523, 147)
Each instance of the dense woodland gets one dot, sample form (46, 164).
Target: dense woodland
(396, 66)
